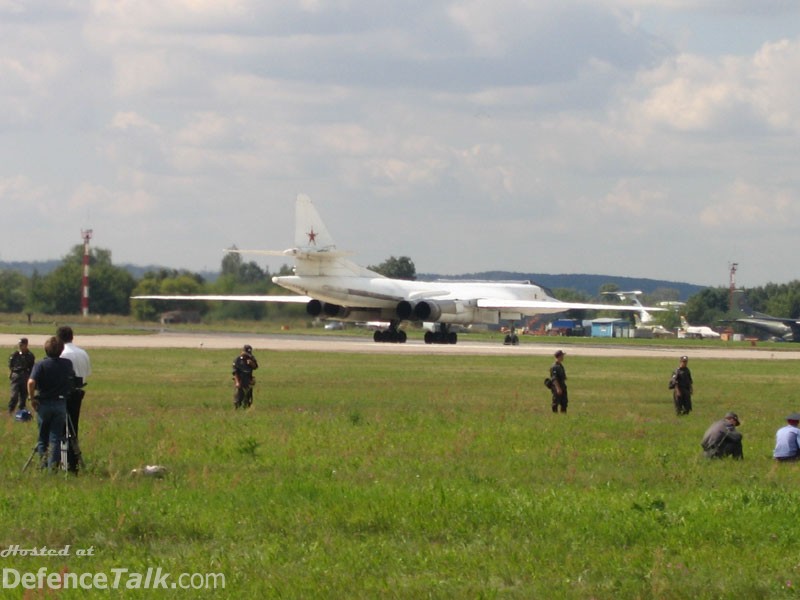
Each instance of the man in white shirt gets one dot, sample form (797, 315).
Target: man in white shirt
(83, 368)
(787, 440)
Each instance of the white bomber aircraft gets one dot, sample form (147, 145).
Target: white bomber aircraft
(333, 287)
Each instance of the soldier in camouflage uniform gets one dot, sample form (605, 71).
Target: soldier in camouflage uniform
(20, 365)
(243, 377)
(682, 387)
(558, 378)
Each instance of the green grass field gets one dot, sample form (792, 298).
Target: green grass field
(376, 476)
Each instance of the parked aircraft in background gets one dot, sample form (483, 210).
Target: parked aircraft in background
(645, 318)
(784, 329)
(702, 332)
(333, 287)
(645, 321)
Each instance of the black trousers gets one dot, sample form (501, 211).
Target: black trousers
(19, 393)
(560, 402)
(74, 413)
(683, 403)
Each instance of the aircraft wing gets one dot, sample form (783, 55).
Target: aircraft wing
(768, 319)
(496, 304)
(772, 324)
(554, 306)
(263, 298)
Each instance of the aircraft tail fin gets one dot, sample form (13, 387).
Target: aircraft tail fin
(310, 231)
(644, 317)
(684, 322)
(741, 304)
(315, 252)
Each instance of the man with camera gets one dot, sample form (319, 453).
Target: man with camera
(82, 367)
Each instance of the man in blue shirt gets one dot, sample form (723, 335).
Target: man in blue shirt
(787, 440)
(49, 386)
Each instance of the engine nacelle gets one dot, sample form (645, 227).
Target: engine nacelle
(315, 308)
(334, 310)
(433, 311)
(405, 310)
(428, 310)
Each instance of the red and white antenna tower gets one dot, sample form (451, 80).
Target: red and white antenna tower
(732, 283)
(87, 235)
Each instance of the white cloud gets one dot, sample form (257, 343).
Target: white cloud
(776, 90)
(519, 123)
(745, 206)
(697, 94)
(634, 202)
(691, 93)
(103, 202)
(132, 121)
(18, 194)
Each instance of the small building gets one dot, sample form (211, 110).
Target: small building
(610, 327)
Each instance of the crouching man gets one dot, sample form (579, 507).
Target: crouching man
(721, 438)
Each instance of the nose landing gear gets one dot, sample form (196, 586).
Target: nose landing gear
(511, 339)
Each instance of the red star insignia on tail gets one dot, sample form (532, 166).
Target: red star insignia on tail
(312, 237)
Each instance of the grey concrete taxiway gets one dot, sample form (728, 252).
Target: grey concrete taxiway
(289, 343)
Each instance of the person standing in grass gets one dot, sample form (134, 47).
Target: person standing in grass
(558, 388)
(721, 438)
(49, 386)
(82, 367)
(682, 387)
(20, 365)
(243, 378)
(787, 440)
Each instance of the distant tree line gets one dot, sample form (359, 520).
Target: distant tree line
(59, 291)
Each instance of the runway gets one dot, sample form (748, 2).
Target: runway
(312, 343)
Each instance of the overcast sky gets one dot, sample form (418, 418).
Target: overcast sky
(646, 138)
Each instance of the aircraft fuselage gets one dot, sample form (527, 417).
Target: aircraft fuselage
(450, 302)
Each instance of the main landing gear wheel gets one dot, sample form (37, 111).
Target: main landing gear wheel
(442, 335)
(391, 335)
(438, 337)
